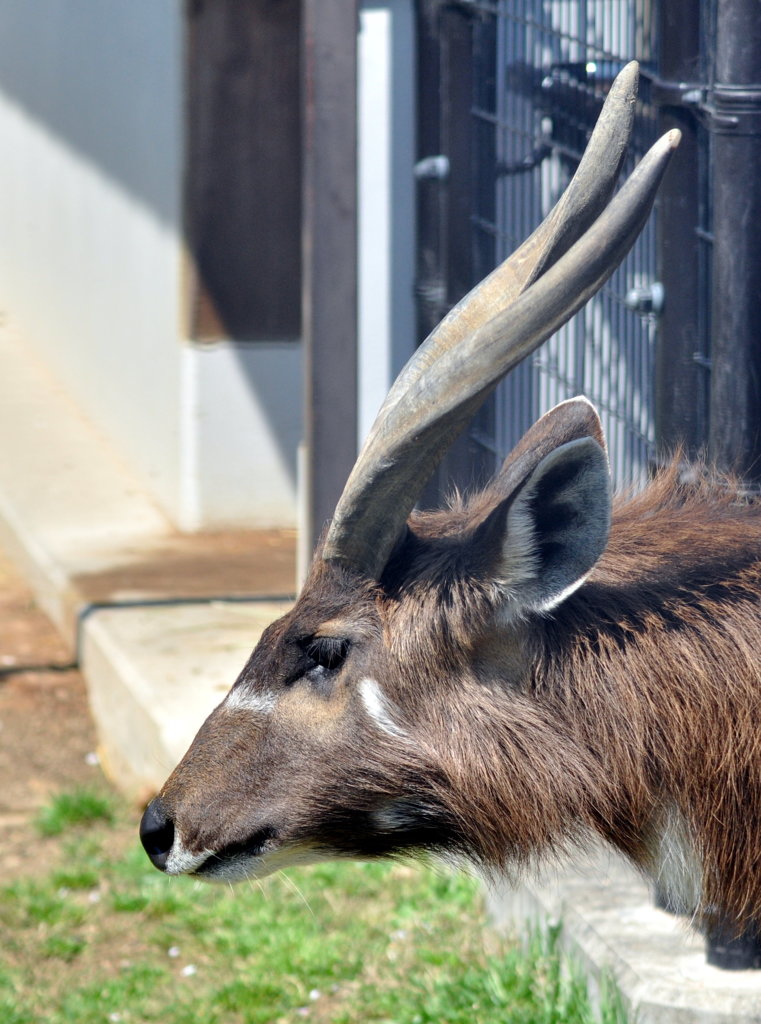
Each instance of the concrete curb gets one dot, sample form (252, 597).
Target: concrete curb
(611, 927)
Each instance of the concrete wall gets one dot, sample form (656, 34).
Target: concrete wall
(91, 101)
(257, 390)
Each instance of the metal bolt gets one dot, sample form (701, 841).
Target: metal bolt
(436, 167)
(647, 299)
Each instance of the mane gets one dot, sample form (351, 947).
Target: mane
(684, 538)
(661, 649)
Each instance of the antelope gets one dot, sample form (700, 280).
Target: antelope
(527, 668)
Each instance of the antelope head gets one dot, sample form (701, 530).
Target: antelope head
(384, 713)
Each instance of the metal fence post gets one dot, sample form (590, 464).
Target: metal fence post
(329, 292)
(735, 101)
(679, 379)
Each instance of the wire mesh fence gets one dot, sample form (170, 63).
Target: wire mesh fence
(541, 71)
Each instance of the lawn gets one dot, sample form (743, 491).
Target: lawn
(103, 937)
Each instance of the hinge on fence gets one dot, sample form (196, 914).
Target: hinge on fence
(646, 300)
(667, 93)
(736, 109)
(722, 107)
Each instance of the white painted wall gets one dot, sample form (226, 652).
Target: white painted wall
(257, 389)
(386, 195)
(91, 255)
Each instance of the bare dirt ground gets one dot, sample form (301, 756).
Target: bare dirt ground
(47, 737)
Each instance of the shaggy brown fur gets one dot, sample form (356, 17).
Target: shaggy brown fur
(638, 696)
(657, 662)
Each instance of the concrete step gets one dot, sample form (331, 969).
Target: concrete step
(140, 605)
(610, 925)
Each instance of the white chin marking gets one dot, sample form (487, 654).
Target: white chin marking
(182, 861)
(379, 708)
(240, 869)
(242, 699)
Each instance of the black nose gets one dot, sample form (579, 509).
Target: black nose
(157, 833)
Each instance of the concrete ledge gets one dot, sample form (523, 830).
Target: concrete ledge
(610, 925)
(142, 605)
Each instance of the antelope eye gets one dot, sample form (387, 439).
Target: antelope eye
(327, 652)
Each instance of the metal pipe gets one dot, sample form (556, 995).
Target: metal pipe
(680, 382)
(735, 120)
(735, 434)
(329, 282)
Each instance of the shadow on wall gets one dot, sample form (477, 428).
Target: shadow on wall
(108, 81)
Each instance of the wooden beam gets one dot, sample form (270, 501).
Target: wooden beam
(329, 292)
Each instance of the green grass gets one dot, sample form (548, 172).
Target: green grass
(104, 937)
(79, 807)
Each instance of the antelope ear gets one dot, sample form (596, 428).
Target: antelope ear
(546, 537)
(570, 420)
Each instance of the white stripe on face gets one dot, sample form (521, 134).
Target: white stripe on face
(379, 709)
(242, 699)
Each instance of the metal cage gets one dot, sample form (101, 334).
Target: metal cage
(528, 78)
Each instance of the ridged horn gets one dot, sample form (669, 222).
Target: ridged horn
(505, 318)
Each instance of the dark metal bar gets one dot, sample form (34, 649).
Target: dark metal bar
(735, 110)
(445, 257)
(329, 294)
(735, 437)
(680, 388)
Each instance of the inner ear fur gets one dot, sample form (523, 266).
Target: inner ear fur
(542, 540)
